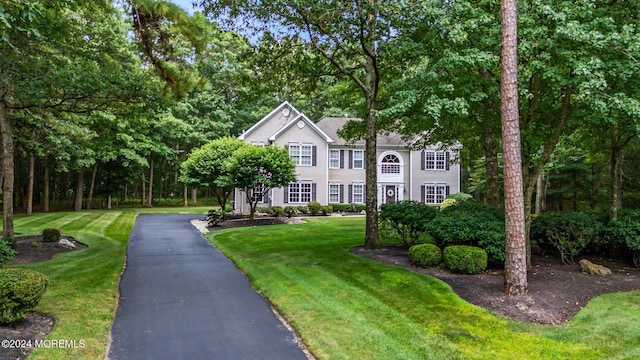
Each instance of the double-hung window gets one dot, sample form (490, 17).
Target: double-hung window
(301, 154)
(334, 159)
(434, 193)
(300, 192)
(358, 159)
(357, 193)
(334, 193)
(435, 160)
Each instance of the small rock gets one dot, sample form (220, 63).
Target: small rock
(593, 269)
(66, 243)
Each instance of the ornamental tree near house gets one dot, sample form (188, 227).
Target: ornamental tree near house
(256, 170)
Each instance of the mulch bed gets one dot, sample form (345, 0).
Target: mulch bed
(556, 291)
(36, 325)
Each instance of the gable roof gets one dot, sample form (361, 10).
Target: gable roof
(301, 117)
(280, 107)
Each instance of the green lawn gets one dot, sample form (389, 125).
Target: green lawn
(83, 289)
(347, 307)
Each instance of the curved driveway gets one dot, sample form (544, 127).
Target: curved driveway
(181, 298)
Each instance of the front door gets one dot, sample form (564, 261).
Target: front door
(390, 194)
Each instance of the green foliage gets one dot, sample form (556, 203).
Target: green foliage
(408, 218)
(50, 235)
(303, 209)
(425, 255)
(36, 244)
(470, 223)
(6, 252)
(327, 210)
(464, 259)
(20, 291)
(568, 232)
(290, 211)
(350, 208)
(277, 211)
(460, 197)
(314, 207)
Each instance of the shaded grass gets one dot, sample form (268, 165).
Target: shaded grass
(348, 307)
(83, 289)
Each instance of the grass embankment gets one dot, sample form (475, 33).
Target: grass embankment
(83, 289)
(347, 307)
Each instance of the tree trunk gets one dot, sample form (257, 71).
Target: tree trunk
(77, 205)
(614, 173)
(109, 201)
(540, 194)
(490, 145)
(150, 196)
(186, 200)
(144, 189)
(92, 186)
(8, 173)
(194, 195)
(46, 184)
(515, 274)
(32, 170)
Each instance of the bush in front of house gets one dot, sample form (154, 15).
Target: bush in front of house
(51, 235)
(470, 223)
(425, 255)
(277, 211)
(7, 251)
(20, 291)
(327, 210)
(303, 209)
(314, 207)
(464, 259)
(290, 211)
(408, 219)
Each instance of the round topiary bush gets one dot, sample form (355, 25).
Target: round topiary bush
(425, 255)
(464, 259)
(20, 291)
(50, 235)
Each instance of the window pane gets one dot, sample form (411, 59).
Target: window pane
(334, 193)
(358, 159)
(294, 153)
(358, 193)
(334, 159)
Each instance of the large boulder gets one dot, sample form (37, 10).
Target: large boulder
(593, 269)
(66, 243)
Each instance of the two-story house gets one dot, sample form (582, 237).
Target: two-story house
(330, 171)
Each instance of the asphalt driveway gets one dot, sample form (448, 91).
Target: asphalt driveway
(181, 298)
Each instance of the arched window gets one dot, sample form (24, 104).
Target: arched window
(390, 164)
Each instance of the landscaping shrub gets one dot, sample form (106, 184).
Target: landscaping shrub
(408, 219)
(463, 259)
(50, 235)
(6, 252)
(460, 197)
(470, 223)
(214, 218)
(277, 211)
(425, 255)
(624, 233)
(314, 207)
(303, 209)
(570, 233)
(20, 291)
(36, 244)
(327, 210)
(290, 211)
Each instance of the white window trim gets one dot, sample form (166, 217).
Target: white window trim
(299, 193)
(436, 194)
(438, 164)
(298, 159)
(334, 151)
(353, 164)
(336, 194)
(353, 193)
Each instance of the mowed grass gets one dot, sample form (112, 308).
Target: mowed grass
(83, 290)
(348, 307)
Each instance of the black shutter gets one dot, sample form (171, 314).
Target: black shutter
(265, 197)
(364, 159)
(314, 150)
(341, 159)
(364, 193)
(350, 159)
(313, 192)
(341, 193)
(422, 160)
(350, 193)
(423, 192)
(286, 194)
(446, 192)
(446, 159)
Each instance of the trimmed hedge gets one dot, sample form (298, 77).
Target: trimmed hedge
(277, 211)
(290, 211)
(314, 207)
(51, 235)
(464, 259)
(425, 255)
(20, 291)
